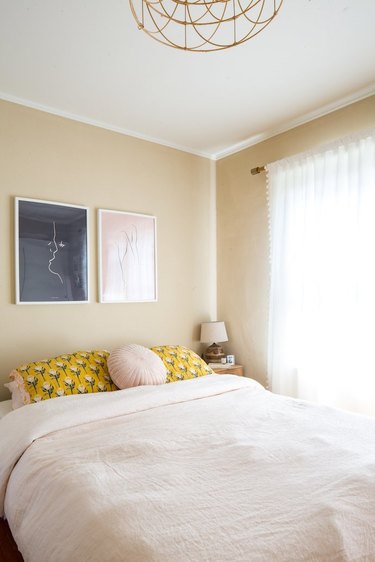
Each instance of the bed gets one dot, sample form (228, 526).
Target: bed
(209, 469)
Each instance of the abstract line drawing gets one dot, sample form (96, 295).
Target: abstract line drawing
(127, 257)
(54, 252)
(126, 242)
(51, 252)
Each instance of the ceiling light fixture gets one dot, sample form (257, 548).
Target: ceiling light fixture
(203, 25)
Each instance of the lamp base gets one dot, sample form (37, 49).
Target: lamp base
(214, 354)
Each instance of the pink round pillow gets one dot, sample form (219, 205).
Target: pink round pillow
(135, 365)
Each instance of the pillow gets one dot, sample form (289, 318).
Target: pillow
(17, 391)
(181, 362)
(135, 365)
(77, 373)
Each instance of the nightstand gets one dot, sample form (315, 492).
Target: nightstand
(228, 370)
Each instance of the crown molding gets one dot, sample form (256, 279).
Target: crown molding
(292, 124)
(230, 150)
(102, 125)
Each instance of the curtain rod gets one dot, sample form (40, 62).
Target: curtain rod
(257, 170)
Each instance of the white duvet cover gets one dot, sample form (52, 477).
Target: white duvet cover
(211, 469)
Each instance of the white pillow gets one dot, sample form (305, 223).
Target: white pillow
(135, 365)
(19, 396)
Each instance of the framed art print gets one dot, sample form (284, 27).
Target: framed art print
(127, 257)
(51, 252)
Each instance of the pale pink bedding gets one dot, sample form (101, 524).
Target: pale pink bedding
(211, 469)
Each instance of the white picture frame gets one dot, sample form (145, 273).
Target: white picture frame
(127, 257)
(51, 252)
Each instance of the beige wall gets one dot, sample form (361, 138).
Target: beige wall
(243, 230)
(47, 157)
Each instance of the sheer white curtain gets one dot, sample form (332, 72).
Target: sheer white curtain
(322, 291)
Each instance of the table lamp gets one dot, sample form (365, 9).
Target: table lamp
(213, 332)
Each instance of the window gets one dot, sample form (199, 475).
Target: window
(322, 292)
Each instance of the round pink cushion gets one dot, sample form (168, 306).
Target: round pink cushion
(135, 365)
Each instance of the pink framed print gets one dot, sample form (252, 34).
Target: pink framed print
(127, 257)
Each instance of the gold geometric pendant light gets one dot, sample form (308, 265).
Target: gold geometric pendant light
(203, 25)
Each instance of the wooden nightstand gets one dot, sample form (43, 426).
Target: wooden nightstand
(228, 370)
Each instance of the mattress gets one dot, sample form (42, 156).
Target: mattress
(5, 407)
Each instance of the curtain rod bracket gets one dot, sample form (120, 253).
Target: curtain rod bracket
(257, 170)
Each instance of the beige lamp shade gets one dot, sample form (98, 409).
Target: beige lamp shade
(213, 332)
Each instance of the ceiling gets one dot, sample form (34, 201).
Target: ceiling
(86, 59)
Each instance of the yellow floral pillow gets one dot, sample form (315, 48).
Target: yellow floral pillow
(181, 363)
(76, 373)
